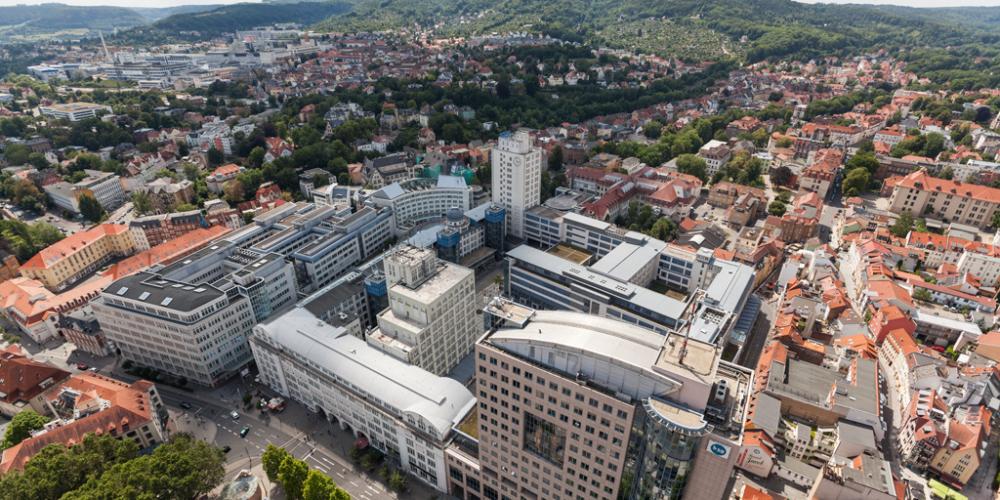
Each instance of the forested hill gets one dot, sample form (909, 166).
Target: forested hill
(749, 29)
(230, 18)
(28, 20)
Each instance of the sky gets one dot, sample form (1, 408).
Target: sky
(125, 3)
(174, 3)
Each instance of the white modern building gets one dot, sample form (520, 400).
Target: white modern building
(105, 187)
(419, 200)
(73, 111)
(398, 408)
(431, 321)
(195, 332)
(517, 178)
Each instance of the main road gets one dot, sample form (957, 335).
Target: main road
(304, 435)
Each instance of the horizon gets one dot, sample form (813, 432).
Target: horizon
(177, 3)
(133, 4)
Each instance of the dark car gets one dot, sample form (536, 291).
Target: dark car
(81, 366)
(185, 405)
(226, 449)
(244, 431)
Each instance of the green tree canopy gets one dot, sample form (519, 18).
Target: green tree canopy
(90, 208)
(691, 164)
(903, 225)
(21, 426)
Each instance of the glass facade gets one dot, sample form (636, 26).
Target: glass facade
(661, 450)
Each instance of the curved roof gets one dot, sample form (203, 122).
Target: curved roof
(440, 401)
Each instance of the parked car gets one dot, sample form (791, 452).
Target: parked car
(81, 366)
(235, 414)
(185, 405)
(226, 449)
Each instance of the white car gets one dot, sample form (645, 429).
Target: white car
(235, 415)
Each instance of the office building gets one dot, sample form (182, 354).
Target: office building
(105, 187)
(517, 178)
(322, 242)
(574, 406)
(74, 111)
(420, 200)
(719, 289)
(431, 321)
(195, 331)
(397, 408)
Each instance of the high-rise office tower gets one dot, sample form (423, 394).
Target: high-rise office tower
(517, 178)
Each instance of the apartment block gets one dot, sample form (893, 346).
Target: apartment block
(155, 229)
(945, 200)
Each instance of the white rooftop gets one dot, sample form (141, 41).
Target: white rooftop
(440, 401)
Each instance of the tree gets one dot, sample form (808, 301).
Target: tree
(215, 157)
(272, 458)
(232, 191)
(21, 426)
(856, 182)
(922, 294)
(663, 229)
(397, 481)
(692, 165)
(321, 180)
(903, 225)
(27, 196)
(317, 486)
(184, 467)
(27, 240)
(191, 171)
(141, 202)
(256, 157)
(556, 158)
(292, 475)
(866, 161)
(90, 208)
(652, 129)
(57, 470)
(776, 208)
(781, 176)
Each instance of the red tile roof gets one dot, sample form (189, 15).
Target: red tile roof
(71, 245)
(22, 378)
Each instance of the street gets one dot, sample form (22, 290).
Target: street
(305, 435)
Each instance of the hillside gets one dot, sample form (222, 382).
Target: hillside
(27, 22)
(230, 18)
(689, 29)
